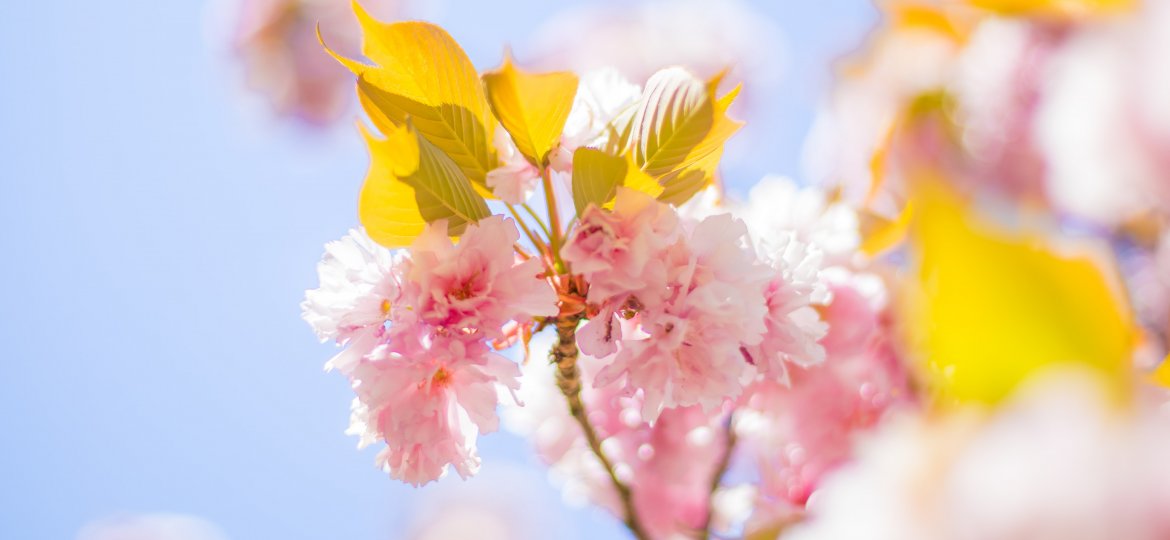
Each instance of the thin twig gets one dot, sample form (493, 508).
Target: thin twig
(564, 355)
(717, 476)
(536, 218)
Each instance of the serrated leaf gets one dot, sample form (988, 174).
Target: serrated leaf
(679, 130)
(533, 107)
(990, 307)
(420, 72)
(442, 191)
(596, 176)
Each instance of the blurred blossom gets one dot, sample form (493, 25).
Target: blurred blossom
(798, 433)
(669, 464)
(640, 38)
(1061, 460)
(276, 42)
(151, 527)
(1104, 125)
(912, 53)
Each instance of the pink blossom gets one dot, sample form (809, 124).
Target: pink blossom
(359, 283)
(804, 429)
(792, 326)
(694, 325)
(515, 179)
(476, 286)
(613, 249)
(427, 397)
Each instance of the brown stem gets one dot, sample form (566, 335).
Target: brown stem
(564, 355)
(717, 475)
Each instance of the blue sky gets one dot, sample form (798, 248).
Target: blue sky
(158, 233)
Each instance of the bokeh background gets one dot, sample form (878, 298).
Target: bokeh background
(159, 225)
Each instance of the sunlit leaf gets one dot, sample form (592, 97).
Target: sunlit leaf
(638, 180)
(990, 308)
(596, 176)
(678, 132)
(533, 107)
(411, 183)
(420, 72)
(387, 206)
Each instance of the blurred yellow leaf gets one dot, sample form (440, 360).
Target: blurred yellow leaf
(878, 233)
(1067, 8)
(1161, 375)
(420, 72)
(411, 183)
(679, 130)
(989, 308)
(533, 107)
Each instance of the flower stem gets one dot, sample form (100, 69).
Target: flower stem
(536, 218)
(564, 355)
(554, 216)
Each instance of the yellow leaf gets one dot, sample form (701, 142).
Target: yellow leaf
(420, 72)
(411, 183)
(989, 307)
(1161, 375)
(386, 206)
(638, 180)
(679, 130)
(879, 234)
(533, 107)
(1066, 8)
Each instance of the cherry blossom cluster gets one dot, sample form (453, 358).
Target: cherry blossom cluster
(416, 328)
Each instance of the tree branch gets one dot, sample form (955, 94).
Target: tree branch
(564, 355)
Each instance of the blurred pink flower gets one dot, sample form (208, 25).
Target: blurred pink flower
(799, 432)
(1059, 461)
(276, 42)
(668, 465)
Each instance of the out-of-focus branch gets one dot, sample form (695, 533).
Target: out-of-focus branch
(717, 476)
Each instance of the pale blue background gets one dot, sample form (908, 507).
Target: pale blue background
(157, 237)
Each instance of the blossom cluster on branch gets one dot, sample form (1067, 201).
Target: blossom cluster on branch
(712, 363)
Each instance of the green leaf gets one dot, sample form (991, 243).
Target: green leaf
(678, 132)
(442, 191)
(596, 176)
